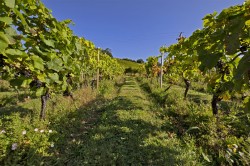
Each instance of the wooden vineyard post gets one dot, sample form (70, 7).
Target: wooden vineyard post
(162, 54)
(98, 72)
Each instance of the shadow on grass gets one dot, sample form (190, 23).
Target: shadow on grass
(6, 111)
(159, 98)
(95, 135)
(198, 98)
(8, 106)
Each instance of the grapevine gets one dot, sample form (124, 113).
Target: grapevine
(39, 52)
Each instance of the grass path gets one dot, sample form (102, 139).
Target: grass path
(126, 131)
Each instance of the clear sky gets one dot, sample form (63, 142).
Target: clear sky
(135, 28)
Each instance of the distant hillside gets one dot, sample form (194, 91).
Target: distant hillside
(128, 64)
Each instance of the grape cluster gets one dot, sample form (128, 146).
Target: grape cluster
(223, 68)
(220, 64)
(36, 84)
(24, 73)
(2, 62)
(243, 48)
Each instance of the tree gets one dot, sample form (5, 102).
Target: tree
(108, 52)
(152, 66)
(140, 61)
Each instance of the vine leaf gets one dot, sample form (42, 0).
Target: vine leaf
(10, 3)
(49, 43)
(21, 82)
(23, 21)
(55, 64)
(243, 66)
(4, 42)
(247, 23)
(54, 77)
(38, 62)
(15, 53)
(232, 43)
(40, 91)
(16, 82)
(7, 20)
(26, 83)
(208, 61)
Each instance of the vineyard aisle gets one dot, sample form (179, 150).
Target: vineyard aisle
(129, 130)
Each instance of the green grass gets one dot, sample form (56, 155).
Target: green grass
(128, 64)
(191, 120)
(192, 94)
(129, 132)
(126, 124)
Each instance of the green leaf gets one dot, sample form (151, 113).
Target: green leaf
(15, 53)
(7, 20)
(244, 66)
(11, 39)
(26, 83)
(21, 82)
(16, 82)
(55, 64)
(49, 43)
(65, 58)
(37, 62)
(4, 42)
(40, 91)
(78, 46)
(52, 55)
(208, 61)
(41, 77)
(10, 3)
(3, 46)
(38, 51)
(206, 22)
(247, 23)
(4, 38)
(232, 46)
(33, 7)
(54, 77)
(10, 31)
(23, 21)
(206, 157)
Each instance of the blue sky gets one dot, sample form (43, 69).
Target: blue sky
(135, 28)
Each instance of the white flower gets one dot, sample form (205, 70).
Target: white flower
(50, 131)
(24, 132)
(2, 132)
(41, 131)
(36, 129)
(52, 145)
(14, 146)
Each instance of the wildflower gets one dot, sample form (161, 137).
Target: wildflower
(14, 146)
(24, 132)
(52, 145)
(50, 131)
(41, 131)
(36, 129)
(2, 132)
